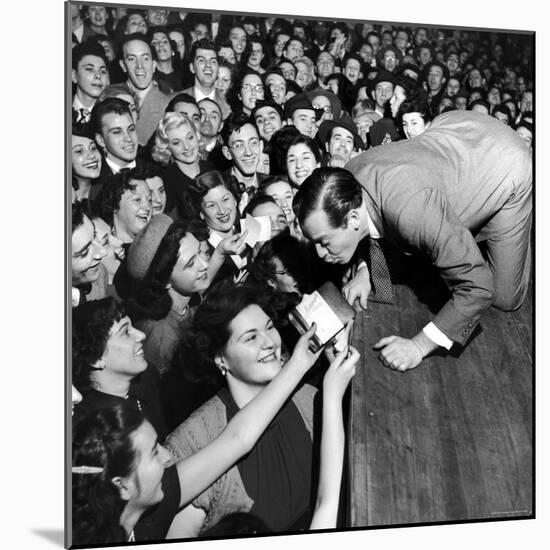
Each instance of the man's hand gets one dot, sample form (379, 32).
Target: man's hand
(358, 288)
(398, 353)
(403, 354)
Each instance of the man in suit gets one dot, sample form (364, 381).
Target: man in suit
(467, 178)
(138, 62)
(90, 75)
(115, 133)
(244, 148)
(204, 66)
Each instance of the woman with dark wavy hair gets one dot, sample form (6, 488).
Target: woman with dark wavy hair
(214, 200)
(124, 202)
(120, 472)
(235, 344)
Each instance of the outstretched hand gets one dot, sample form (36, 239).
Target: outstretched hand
(302, 356)
(234, 244)
(340, 372)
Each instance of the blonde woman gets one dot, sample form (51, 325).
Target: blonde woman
(176, 148)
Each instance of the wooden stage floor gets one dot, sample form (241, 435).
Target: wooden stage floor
(452, 439)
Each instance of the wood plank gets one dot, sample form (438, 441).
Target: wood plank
(450, 440)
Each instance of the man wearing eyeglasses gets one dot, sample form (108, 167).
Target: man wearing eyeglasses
(204, 66)
(244, 148)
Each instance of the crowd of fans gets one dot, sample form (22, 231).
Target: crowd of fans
(185, 127)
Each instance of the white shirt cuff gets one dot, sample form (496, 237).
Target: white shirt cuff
(435, 335)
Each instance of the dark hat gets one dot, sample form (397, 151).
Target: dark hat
(382, 51)
(335, 102)
(261, 103)
(345, 122)
(300, 101)
(382, 76)
(145, 245)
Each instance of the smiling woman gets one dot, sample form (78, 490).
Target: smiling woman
(124, 202)
(233, 334)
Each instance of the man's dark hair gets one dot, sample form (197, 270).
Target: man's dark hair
(505, 111)
(107, 106)
(257, 200)
(89, 47)
(234, 123)
(333, 190)
(203, 44)
(179, 98)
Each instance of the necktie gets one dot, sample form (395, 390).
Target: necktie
(84, 114)
(379, 274)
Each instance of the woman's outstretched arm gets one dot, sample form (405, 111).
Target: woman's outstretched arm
(199, 471)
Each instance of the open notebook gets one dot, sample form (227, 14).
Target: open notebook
(328, 309)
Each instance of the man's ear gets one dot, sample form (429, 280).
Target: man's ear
(100, 141)
(191, 68)
(154, 65)
(121, 62)
(121, 483)
(226, 152)
(73, 77)
(352, 219)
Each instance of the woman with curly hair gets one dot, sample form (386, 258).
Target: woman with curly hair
(124, 202)
(108, 362)
(414, 115)
(176, 148)
(120, 471)
(233, 340)
(214, 200)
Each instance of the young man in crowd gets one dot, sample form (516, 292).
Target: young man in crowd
(211, 124)
(90, 75)
(299, 112)
(340, 140)
(243, 147)
(116, 136)
(139, 65)
(204, 66)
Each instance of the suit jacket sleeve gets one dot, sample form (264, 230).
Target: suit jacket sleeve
(426, 222)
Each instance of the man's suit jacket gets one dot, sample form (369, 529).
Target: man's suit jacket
(219, 98)
(150, 112)
(467, 175)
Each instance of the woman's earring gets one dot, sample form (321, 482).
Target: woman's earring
(223, 370)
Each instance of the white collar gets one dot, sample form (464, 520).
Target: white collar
(116, 168)
(373, 232)
(199, 95)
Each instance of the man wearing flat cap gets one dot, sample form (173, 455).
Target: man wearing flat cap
(299, 112)
(383, 130)
(340, 141)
